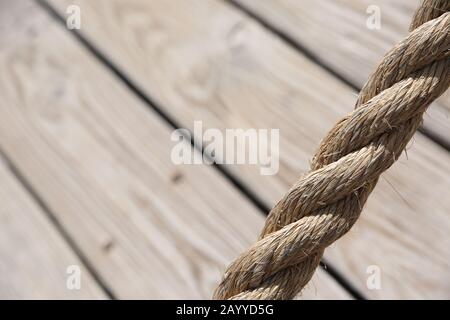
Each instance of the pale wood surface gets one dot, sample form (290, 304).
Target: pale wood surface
(336, 32)
(100, 159)
(33, 256)
(205, 60)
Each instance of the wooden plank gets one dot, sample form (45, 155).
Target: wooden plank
(101, 160)
(205, 60)
(34, 258)
(336, 32)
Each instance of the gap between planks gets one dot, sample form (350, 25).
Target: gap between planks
(52, 218)
(151, 103)
(240, 63)
(52, 154)
(35, 254)
(433, 128)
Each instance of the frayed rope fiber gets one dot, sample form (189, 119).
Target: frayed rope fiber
(325, 203)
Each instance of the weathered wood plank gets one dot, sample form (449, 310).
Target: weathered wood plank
(101, 160)
(336, 32)
(203, 59)
(34, 258)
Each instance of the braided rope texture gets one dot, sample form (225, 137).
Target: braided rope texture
(325, 203)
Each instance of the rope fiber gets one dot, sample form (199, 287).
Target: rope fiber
(325, 203)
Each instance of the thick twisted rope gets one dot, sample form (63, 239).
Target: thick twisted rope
(325, 203)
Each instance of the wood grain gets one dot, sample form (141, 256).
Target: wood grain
(336, 33)
(100, 158)
(205, 60)
(33, 256)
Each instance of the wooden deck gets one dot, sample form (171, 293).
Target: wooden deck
(85, 124)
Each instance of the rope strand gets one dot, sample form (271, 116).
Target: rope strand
(325, 203)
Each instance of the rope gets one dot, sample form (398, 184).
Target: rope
(325, 203)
